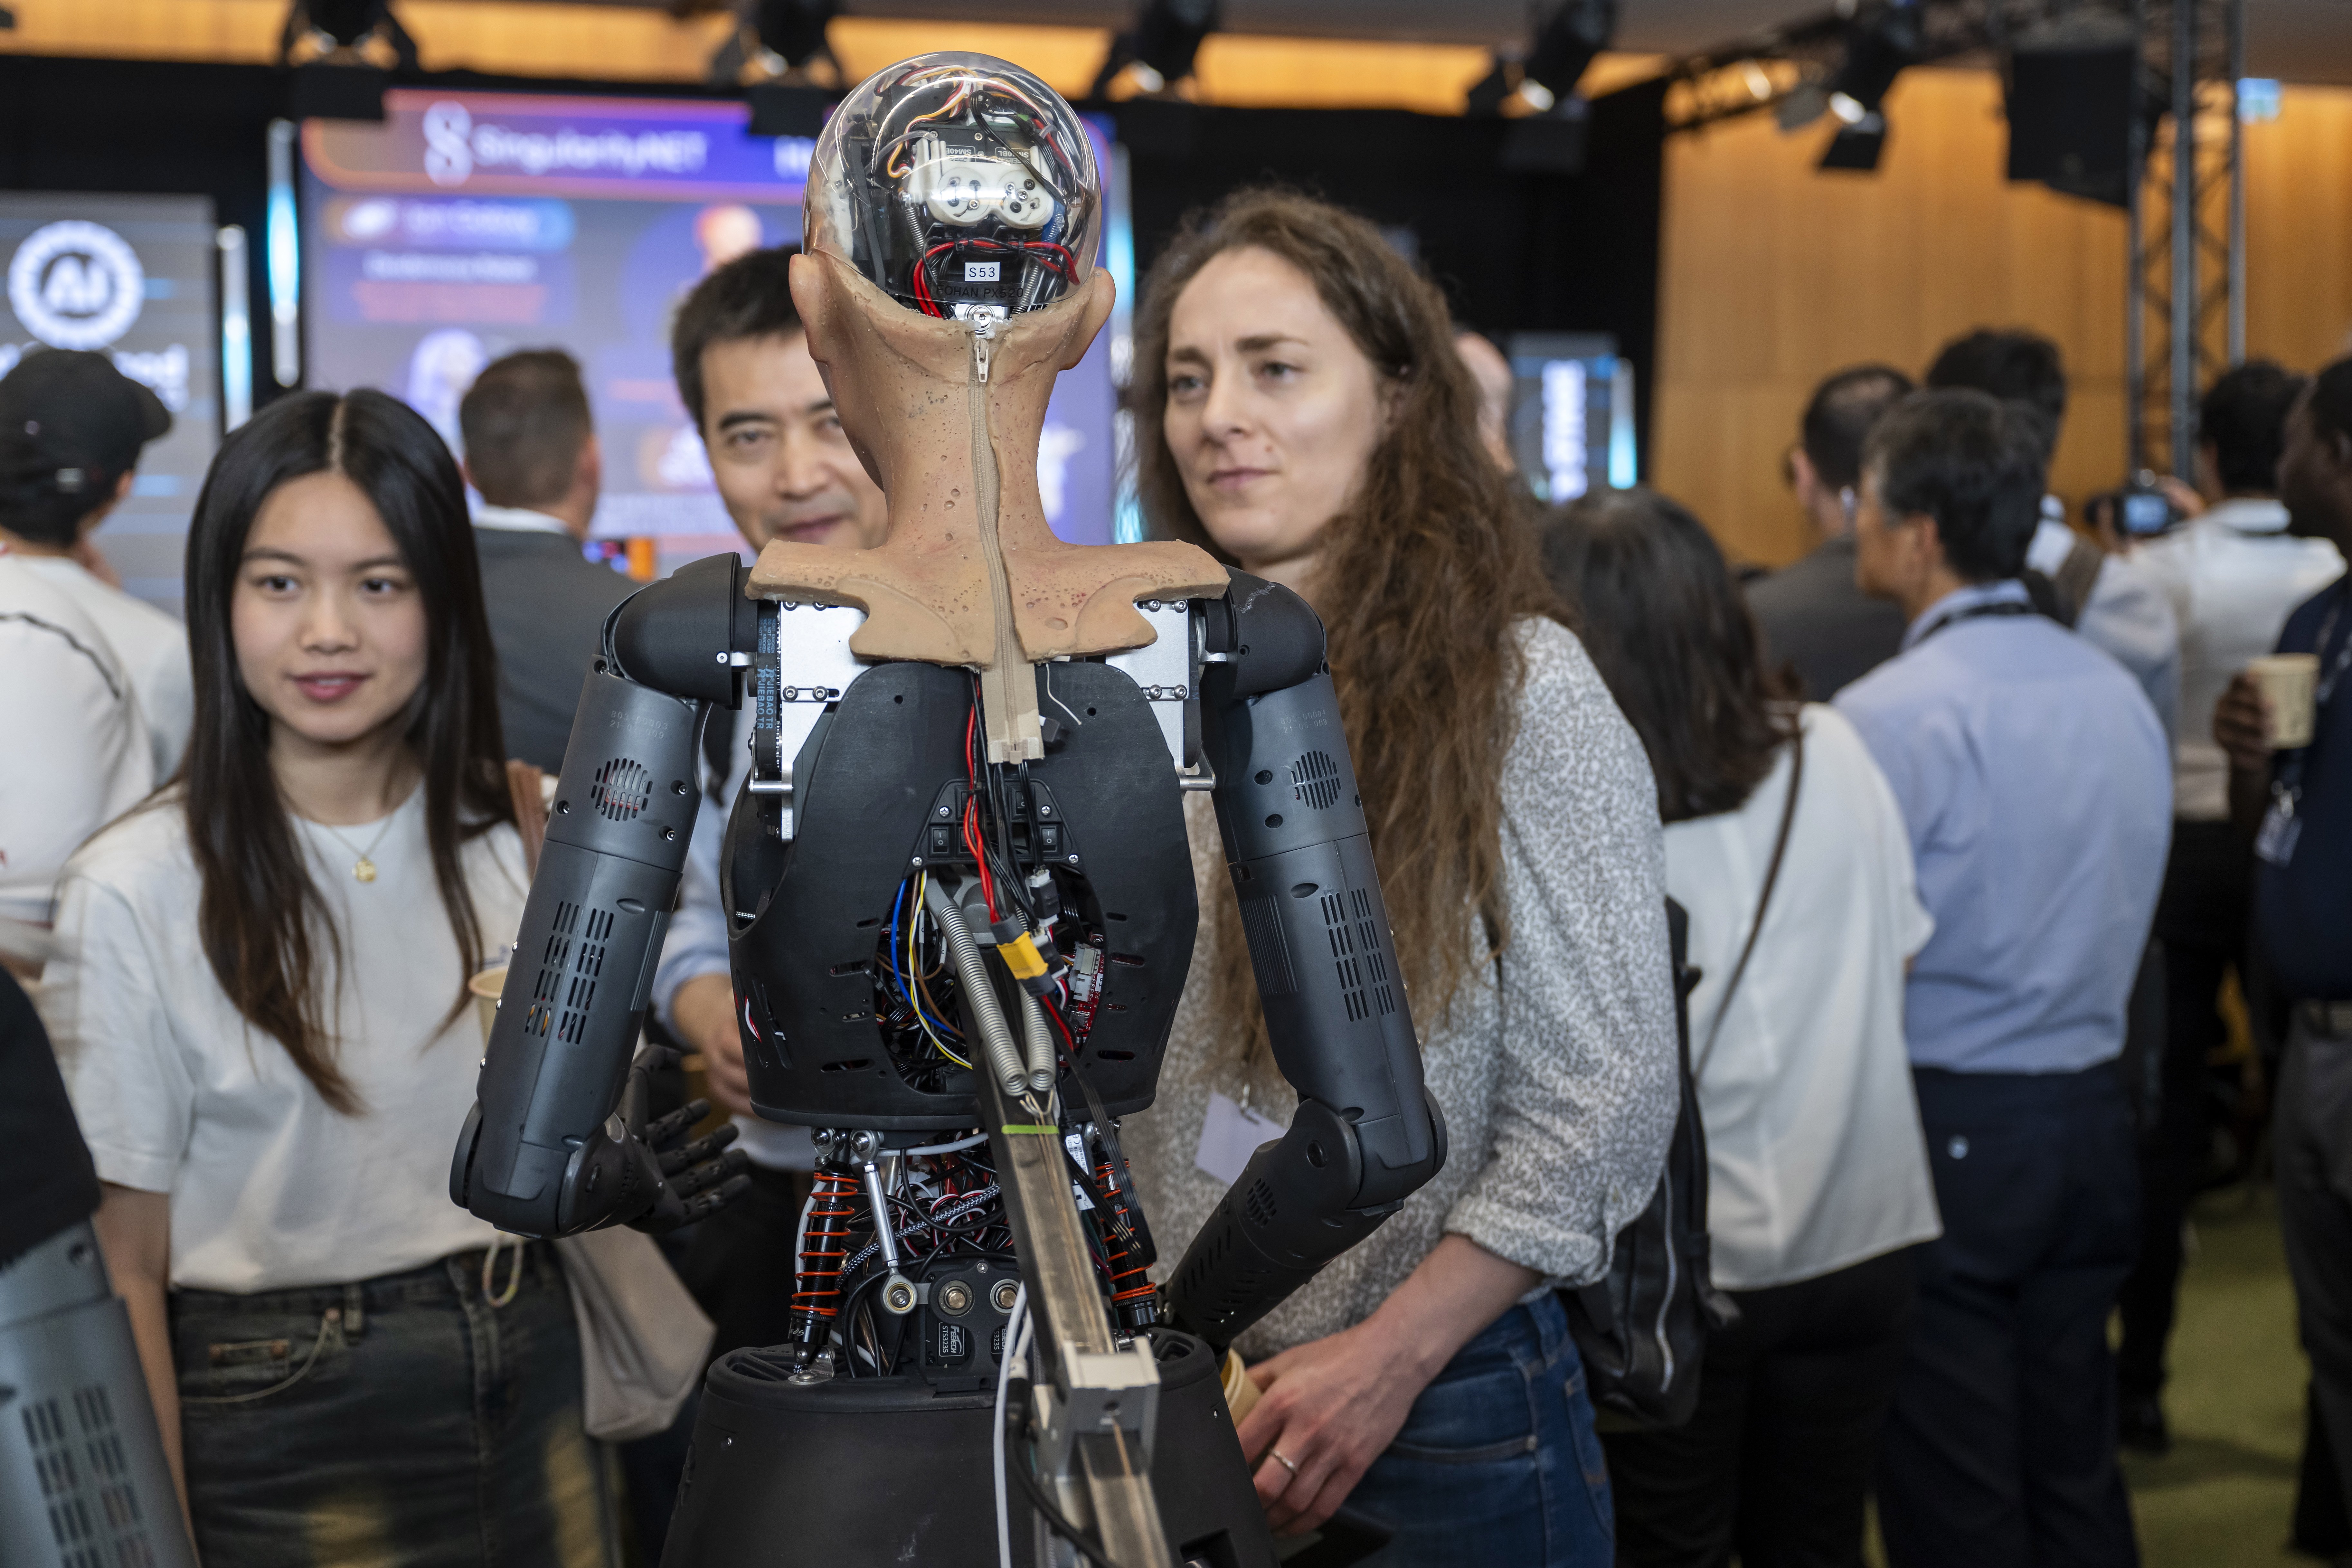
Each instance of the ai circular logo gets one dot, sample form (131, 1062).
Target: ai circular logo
(76, 285)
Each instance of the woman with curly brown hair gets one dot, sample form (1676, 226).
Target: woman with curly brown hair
(1304, 415)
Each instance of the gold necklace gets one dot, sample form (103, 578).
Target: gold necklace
(363, 869)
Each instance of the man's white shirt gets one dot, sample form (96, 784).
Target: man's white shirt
(2125, 613)
(153, 646)
(76, 754)
(2231, 577)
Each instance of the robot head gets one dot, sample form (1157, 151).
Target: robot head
(959, 185)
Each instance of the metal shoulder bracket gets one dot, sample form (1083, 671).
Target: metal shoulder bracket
(802, 668)
(1168, 671)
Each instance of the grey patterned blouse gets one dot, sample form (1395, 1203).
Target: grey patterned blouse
(1558, 1087)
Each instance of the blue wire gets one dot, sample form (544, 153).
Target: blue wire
(900, 979)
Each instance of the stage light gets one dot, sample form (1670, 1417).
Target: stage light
(337, 80)
(1880, 39)
(792, 31)
(1158, 50)
(340, 31)
(1564, 49)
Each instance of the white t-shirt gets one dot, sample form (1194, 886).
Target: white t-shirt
(73, 749)
(270, 1188)
(1816, 1160)
(153, 646)
(2232, 575)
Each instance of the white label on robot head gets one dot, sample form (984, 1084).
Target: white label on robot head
(984, 272)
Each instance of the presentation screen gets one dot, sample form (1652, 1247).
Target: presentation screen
(131, 278)
(1572, 414)
(467, 225)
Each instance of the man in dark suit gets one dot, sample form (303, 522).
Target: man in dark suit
(530, 450)
(1811, 613)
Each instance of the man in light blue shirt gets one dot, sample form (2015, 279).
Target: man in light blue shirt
(2112, 601)
(2035, 782)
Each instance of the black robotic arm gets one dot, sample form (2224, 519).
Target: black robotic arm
(1366, 1133)
(559, 1141)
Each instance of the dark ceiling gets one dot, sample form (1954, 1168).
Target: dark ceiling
(2297, 41)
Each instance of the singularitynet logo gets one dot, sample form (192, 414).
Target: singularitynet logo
(455, 147)
(76, 285)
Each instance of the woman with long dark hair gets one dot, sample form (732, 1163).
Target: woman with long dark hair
(1303, 412)
(1786, 846)
(262, 1014)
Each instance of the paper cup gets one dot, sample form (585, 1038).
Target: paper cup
(1241, 1389)
(2289, 681)
(486, 987)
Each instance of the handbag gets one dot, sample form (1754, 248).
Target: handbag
(1642, 1329)
(642, 1337)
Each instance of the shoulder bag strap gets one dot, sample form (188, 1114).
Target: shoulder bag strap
(1772, 875)
(2076, 576)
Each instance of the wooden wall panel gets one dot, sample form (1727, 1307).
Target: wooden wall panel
(2299, 229)
(1776, 274)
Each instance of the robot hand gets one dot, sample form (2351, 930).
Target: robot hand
(637, 1172)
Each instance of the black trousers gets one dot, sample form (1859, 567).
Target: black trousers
(2000, 1446)
(740, 1267)
(2312, 1131)
(2201, 922)
(1774, 1464)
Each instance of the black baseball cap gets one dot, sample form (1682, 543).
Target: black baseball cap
(69, 422)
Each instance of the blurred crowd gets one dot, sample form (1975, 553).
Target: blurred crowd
(1951, 904)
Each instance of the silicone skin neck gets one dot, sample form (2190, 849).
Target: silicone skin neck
(956, 568)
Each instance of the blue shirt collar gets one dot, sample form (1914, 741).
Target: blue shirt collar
(1959, 601)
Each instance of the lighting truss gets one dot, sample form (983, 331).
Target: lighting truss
(2186, 319)
(2186, 283)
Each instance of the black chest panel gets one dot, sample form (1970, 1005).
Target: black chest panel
(807, 915)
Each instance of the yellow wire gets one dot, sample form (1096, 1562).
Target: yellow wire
(922, 881)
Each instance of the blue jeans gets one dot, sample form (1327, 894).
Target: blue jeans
(1499, 1462)
(399, 1422)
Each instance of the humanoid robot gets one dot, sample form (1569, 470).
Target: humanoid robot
(960, 911)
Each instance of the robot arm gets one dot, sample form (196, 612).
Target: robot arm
(1366, 1133)
(557, 1140)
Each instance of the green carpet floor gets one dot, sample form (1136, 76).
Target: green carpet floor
(2223, 1496)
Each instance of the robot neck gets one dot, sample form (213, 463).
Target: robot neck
(971, 574)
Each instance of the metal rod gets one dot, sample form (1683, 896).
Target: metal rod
(2182, 426)
(2237, 330)
(1058, 1271)
(2136, 286)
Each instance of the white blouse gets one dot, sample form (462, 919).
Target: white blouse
(1816, 1160)
(271, 1188)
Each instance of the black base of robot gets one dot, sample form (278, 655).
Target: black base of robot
(854, 1471)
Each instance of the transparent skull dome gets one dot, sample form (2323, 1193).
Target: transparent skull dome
(958, 183)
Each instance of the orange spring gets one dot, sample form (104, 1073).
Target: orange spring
(1121, 1265)
(823, 1248)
